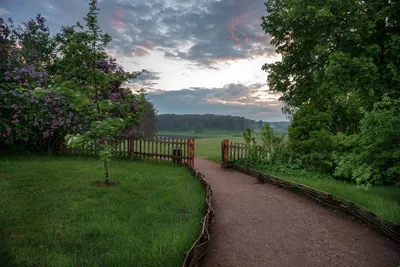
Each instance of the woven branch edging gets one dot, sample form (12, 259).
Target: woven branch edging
(199, 248)
(390, 228)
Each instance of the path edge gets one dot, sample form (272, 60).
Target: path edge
(199, 249)
(377, 222)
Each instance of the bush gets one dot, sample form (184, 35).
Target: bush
(373, 155)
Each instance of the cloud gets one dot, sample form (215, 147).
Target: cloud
(231, 99)
(146, 81)
(140, 52)
(203, 32)
(180, 38)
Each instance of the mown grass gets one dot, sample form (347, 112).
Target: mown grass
(52, 215)
(208, 143)
(383, 200)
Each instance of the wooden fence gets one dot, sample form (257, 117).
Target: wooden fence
(177, 150)
(234, 151)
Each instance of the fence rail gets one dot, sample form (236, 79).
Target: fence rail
(177, 150)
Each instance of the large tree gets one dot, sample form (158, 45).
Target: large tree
(338, 55)
(339, 58)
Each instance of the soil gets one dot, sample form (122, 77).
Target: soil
(103, 184)
(263, 225)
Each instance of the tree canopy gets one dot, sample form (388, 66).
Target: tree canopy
(340, 58)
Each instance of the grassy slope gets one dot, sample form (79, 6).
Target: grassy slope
(50, 214)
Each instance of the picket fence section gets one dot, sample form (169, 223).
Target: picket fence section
(232, 151)
(177, 150)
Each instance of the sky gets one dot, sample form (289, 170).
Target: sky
(203, 56)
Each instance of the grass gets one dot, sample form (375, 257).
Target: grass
(208, 143)
(383, 200)
(52, 215)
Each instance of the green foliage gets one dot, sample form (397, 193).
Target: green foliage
(373, 155)
(339, 59)
(310, 138)
(268, 141)
(199, 128)
(252, 147)
(108, 117)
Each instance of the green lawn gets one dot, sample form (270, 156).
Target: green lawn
(52, 215)
(383, 200)
(208, 143)
(210, 148)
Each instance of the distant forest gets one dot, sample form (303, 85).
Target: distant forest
(198, 123)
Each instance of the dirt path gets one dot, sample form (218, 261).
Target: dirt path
(263, 225)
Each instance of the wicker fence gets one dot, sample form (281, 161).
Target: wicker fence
(198, 250)
(232, 152)
(178, 150)
(379, 223)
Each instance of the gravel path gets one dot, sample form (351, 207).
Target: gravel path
(263, 225)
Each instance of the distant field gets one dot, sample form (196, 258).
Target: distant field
(205, 134)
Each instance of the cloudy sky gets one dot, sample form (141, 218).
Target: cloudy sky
(204, 56)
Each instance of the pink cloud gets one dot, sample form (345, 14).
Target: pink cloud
(117, 24)
(148, 44)
(117, 12)
(141, 52)
(117, 15)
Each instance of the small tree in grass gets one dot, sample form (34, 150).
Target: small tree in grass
(111, 113)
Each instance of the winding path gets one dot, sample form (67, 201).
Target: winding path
(262, 225)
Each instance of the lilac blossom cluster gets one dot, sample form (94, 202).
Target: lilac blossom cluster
(27, 76)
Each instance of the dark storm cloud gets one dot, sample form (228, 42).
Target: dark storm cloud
(232, 99)
(205, 32)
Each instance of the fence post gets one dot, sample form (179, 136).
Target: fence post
(131, 148)
(225, 153)
(191, 152)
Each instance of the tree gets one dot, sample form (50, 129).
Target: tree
(268, 138)
(111, 114)
(149, 119)
(339, 58)
(335, 55)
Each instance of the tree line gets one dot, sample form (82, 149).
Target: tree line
(198, 123)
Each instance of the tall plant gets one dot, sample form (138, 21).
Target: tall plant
(110, 115)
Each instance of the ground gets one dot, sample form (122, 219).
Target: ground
(263, 225)
(51, 214)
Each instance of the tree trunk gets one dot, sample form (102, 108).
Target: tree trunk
(106, 172)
